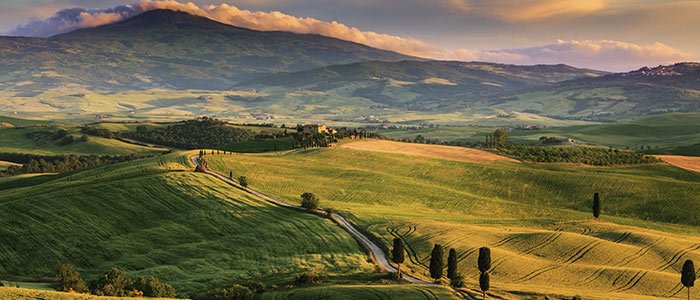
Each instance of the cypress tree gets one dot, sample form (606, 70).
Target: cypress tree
(484, 260)
(484, 282)
(397, 254)
(596, 205)
(230, 175)
(436, 262)
(452, 264)
(688, 275)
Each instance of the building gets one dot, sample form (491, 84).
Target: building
(315, 129)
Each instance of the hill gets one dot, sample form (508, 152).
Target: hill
(151, 217)
(535, 218)
(674, 88)
(168, 49)
(420, 85)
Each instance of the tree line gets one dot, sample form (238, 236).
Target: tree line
(201, 132)
(32, 163)
(113, 282)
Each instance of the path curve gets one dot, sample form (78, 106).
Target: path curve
(376, 253)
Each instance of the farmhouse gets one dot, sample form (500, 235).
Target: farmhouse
(315, 129)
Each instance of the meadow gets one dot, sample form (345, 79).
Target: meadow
(670, 133)
(535, 217)
(156, 217)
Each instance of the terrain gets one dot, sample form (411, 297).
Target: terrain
(171, 65)
(189, 52)
(543, 241)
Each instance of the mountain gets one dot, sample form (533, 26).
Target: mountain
(168, 49)
(673, 88)
(421, 85)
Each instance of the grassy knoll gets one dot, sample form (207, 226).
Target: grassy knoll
(18, 140)
(154, 217)
(32, 294)
(536, 218)
(367, 292)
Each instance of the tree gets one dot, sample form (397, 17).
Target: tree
(112, 283)
(484, 260)
(436, 262)
(484, 283)
(69, 279)
(230, 175)
(500, 137)
(596, 205)
(398, 254)
(688, 275)
(452, 272)
(235, 292)
(309, 201)
(152, 287)
(243, 181)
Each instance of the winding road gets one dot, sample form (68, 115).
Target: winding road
(376, 253)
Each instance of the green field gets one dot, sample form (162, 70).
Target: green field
(17, 140)
(672, 133)
(151, 217)
(536, 218)
(365, 292)
(30, 293)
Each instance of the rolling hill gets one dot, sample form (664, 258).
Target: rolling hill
(535, 218)
(421, 85)
(168, 49)
(153, 217)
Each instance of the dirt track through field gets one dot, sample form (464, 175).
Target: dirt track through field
(685, 162)
(431, 151)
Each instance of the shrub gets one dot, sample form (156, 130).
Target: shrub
(307, 278)
(243, 181)
(152, 287)
(256, 286)
(457, 281)
(112, 283)
(309, 201)
(235, 292)
(69, 279)
(329, 211)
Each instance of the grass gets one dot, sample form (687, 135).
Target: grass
(16, 140)
(367, 292)
(32, 294)
(671, 133)
(536, 218)
(154, 217)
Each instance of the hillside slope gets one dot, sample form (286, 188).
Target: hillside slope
(154, 217)
(163, 48)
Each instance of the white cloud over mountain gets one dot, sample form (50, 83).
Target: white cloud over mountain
(601, 54)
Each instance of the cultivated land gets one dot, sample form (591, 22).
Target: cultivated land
(32, 294)
(671, 133)
(685, 162)
(543, 240)
(156, 217)
(18, 140)
(431, 151)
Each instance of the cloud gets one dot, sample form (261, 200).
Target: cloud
(601, 54)
(525, 10)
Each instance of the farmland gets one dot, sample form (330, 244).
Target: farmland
(543, 239)
(152, 217)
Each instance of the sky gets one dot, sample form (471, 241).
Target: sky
(612, 35)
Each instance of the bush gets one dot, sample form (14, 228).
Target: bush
(235, 292)
(309, 201)
(255, 286)
(112, 283)
(69, 279)
(307, 278)
(152, 287)
(243, 181)
(329, 211)
(457, 281)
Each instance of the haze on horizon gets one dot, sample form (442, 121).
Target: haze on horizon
(611, 35)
